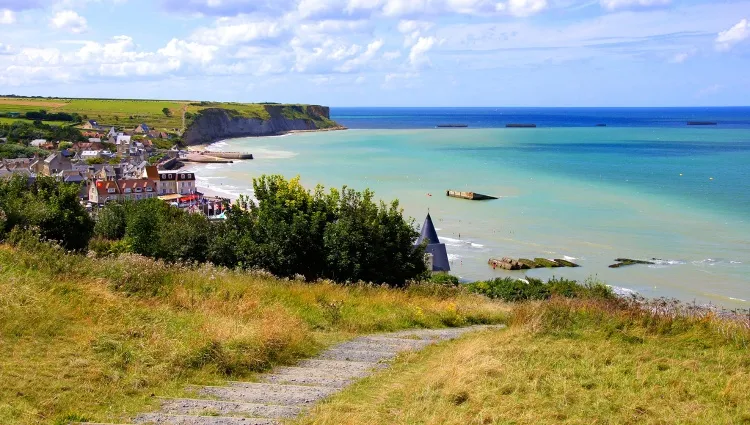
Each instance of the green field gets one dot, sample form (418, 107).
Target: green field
(126, 113)
(4, 120)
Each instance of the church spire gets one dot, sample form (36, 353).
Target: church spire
(429, 233)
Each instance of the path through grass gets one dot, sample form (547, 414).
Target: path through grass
(95, 339)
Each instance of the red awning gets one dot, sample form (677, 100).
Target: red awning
(189, 198)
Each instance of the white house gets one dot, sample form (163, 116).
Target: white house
(37, 143)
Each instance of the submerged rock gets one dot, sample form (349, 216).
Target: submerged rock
(543, 262)
(528, 263)
(507, 263)
(622, 262)
(566, 263)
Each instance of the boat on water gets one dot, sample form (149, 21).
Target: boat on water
(702, 123)
(452, 125)
(513, 125)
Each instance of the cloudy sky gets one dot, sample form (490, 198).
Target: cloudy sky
(382, 52)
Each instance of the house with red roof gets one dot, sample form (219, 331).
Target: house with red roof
(103, 191)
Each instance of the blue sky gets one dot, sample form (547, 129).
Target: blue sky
(382, 52)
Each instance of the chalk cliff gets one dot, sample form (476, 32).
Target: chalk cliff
(212, 124)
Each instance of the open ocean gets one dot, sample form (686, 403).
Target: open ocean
(645, 186)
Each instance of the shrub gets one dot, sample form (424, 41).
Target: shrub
(512, 289)
(444, 279)
(48, 207)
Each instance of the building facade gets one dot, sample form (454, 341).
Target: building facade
(103, 191)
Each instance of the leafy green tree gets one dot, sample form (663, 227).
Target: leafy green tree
(48, 207)
(371, 242)
(111, 222)
(143, 220)
(288, 226)
(167, 112)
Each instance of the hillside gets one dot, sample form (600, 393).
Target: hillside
(96, 339)
(167, 115)
(564, 362)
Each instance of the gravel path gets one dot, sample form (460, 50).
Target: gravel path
(287, 392)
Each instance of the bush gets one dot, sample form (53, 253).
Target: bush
(444, 279)
(512, 289)
(47, 207)
(110, 223)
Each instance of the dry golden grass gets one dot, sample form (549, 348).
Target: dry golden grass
(562, 363)
(87, 339)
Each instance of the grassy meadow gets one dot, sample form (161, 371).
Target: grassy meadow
(564, 362)
(96, 339)
(126, 112)
(5, 120)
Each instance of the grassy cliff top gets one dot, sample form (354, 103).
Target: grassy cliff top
(564, 362)
(131, 112)
(93, 339)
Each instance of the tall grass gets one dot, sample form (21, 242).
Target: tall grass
(96, 338)
(566, 361)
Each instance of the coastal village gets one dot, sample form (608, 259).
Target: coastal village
(121, 165)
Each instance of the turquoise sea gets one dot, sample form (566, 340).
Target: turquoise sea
(645, 186)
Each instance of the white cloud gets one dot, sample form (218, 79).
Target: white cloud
(186, 51)
(389, 56)
(470, 7)
(69, 20)
(405, 7)
(725, 40)
(710, 90)
(412, 30)
(681, 57)
(363, 59)
(418, 54)
(625, 4)
(7, 16)
(242, 29)
(522, 8)
(307, 8)
(397, 8)
(393, 77)
(120, 49)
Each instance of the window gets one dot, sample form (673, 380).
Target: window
(138, 190)
(111, 190)
(128, 190)
(149, 189)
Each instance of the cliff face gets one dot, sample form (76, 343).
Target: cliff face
(214, 124)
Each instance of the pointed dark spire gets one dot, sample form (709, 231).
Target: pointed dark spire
(428, 232)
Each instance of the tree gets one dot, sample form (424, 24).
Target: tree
(48, 207)
(341, 235)
(64, 145)
(371, 242)
(167, 112)
(111, 222)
